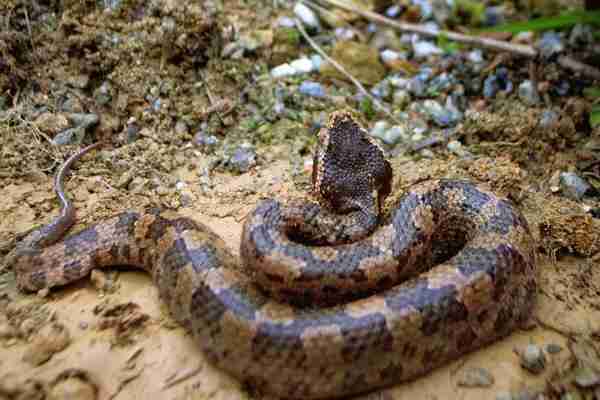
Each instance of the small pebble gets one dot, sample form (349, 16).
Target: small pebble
(344, 33)
(550, 44)
(72, 389)
(307, 16)
(181, 128)
(553, 348)
(285, 22)
(302, 65)
(476, 377)
(504, 396)
(587, 377)
(282, 70)
(424, 49)
(533, 359)
(312, 89)
(393, 11)
(475, 56)
(243, 158)
(528, 92)
(549, 119)
(401, 98)
(573, 186)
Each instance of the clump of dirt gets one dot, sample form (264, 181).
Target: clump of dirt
(126, 319)
(50, 339)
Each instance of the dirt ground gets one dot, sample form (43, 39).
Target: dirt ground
(110, 337)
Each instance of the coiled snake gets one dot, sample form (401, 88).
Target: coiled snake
(449, 270)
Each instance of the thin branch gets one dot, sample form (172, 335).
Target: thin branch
(493, 44)
(524, 50)
(341, 69)
(577, 66)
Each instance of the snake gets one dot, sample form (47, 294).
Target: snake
(328, 298)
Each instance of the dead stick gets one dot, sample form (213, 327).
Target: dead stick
(493, 44)
(341, 69)
(524, 50)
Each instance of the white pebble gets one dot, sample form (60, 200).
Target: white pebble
(306, 15)
(282, 70)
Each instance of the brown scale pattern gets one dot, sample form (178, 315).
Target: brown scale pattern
(384, 309)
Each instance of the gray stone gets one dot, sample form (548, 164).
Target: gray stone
(573, 186)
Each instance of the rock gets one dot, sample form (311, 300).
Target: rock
(476, 377)
(243, 158)
(72, 388)
(307, 16)
(343, 33)
(389, 56)
(302, 65)
(573, 186)
(283, 70)
(550, 44)
(439, 114)
(379, 129)
(417, 86)
(401, 98)
(312, 89)
(285, 22)
(103, 93)
(423, 49)
(382, 90)
(586, 377)
(528, 93)
(51, 339)
(393, 11)
(181, 128)
(80, 81)
(426, 8)
(475, 56)
(442, 10)
(83, 120)
(497, 82)
(69, 136)
(504, 396)
(395, 134)
(493, 16)
(205, 142)
(581, 35)
(132, 131)
(360, 60)
(532, 358)
(102, 281)
(549, 119)
(553, 348)
(52, 123)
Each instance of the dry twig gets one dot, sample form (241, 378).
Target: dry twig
(343, 71)
(493, 44)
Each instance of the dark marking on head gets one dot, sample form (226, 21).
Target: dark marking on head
(348, 167)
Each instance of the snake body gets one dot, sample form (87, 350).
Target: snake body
(449, 270)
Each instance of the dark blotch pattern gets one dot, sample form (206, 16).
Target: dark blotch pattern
(86, 239)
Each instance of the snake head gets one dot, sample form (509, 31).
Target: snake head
(350, 170)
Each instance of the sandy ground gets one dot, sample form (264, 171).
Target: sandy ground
(137, 350)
